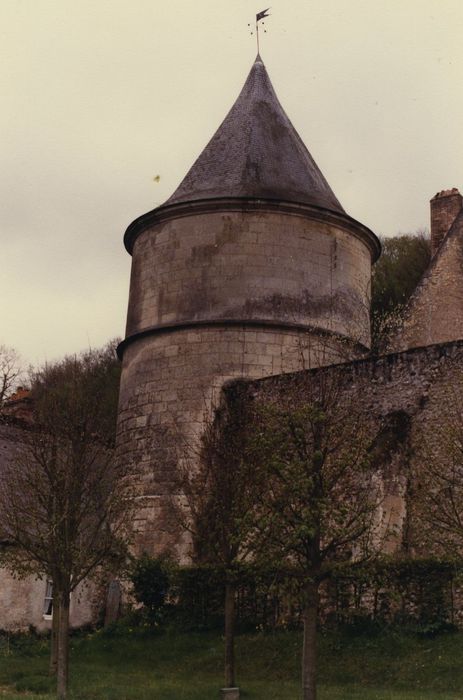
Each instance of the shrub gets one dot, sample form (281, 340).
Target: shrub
(150, 583)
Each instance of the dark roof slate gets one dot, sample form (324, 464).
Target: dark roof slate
(256, 152)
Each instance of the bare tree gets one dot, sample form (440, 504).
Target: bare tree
(64, 501)
(320, 504)
(219, 485)
(10, 371)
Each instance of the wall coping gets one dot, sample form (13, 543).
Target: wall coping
(376, 366)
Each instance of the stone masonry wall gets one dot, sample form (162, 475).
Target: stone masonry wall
(258, 265)
(423, 386)
(434, 313)
(242, 293)
(171, 383)
(22, 604)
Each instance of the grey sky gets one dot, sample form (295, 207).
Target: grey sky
(101, 96)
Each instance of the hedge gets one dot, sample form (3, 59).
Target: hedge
(424, 592)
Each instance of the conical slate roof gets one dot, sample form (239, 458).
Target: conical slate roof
(257, 153)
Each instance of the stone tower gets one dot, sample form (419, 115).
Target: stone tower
(251, 268)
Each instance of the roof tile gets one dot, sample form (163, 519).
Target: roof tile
(256, 152)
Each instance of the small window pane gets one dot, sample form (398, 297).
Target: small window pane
(48, 600)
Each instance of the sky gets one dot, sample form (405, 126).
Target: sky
(107, 103)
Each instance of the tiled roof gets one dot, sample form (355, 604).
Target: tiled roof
(257, 153)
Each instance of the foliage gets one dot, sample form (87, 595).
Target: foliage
(321, 500)
(219, 485)
(419, 593)
(198, 594)
(220, 490)
(82, 388)
(403, 260)
(150, 582)
(437, 504)
(64, 500)
(199, 600)
(57, 500)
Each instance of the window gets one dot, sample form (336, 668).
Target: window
(48, 601)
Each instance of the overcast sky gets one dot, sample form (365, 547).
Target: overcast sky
(99, 97)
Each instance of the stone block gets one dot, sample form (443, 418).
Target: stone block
(229, 694)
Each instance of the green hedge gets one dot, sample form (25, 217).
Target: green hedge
(198, 593)
(416, 592)
(421, 592)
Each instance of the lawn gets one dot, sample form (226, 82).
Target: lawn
(134, 665)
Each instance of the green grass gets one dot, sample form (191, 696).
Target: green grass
(172, 666)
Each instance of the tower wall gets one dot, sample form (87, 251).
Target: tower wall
(299, 266)
(170, 383)
(220, 295)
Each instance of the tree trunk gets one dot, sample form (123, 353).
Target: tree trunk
(229, 634)
(63, 645)
(54, 637)
(309, 649)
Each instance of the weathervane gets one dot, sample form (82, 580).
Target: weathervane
(259, 17)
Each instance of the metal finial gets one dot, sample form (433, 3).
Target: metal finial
(260, 16)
